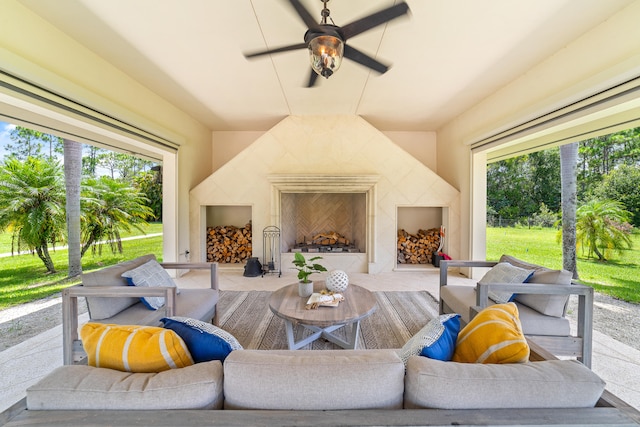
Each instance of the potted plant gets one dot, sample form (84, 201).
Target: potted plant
(305, 269)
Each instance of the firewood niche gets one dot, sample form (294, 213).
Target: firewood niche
(229, 244)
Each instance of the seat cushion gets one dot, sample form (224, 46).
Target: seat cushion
(313, 379)
(101, 307)
(433, 383)
(78, 387)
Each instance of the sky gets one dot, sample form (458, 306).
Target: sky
(5, 129)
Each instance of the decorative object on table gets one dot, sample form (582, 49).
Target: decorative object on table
(253, 268)
(319, 299)
(271, 251)
(337, 281)
(305, 269)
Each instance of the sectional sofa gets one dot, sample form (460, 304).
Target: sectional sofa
(333, 387)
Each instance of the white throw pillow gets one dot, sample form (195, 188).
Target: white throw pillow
(150, 274)
(504, 272)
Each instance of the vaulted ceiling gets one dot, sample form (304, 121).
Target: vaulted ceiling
(446, 56)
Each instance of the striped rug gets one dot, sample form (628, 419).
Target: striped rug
(399, 316)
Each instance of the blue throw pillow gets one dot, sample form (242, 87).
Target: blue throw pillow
(436, 340)
(205, 341)
(443, 342)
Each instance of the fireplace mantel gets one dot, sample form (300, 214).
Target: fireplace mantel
(317, 183)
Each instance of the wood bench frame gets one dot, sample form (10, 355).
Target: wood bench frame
(71, 344)
(579, 345)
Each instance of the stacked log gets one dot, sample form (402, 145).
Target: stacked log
(417, 248)
(228, 244)
(330, 238)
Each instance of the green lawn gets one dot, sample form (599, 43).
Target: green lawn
(23, 278)
(618, 277)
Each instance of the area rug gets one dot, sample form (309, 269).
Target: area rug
(399, 316)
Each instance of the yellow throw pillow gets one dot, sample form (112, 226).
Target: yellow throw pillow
(134, 348)
(493, 336)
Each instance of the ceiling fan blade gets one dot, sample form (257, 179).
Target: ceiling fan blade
(277, 50)
(361, 25)
(313, 77)
(308, 19)
(364, 59)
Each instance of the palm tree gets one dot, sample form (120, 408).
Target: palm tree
(602, 226)
(108, 208)
(32, 200)
(568, 179)
(72, 177)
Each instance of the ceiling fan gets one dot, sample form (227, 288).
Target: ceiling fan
(327, 42)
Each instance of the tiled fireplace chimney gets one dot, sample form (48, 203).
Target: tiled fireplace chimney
(332, 154)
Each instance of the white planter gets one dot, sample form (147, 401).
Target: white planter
(305, 289)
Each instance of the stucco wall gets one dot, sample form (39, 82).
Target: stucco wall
(330, 146)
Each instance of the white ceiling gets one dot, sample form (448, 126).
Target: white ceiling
(447, 55)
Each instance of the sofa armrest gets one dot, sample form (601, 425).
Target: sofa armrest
(70, 297)
(444, 265)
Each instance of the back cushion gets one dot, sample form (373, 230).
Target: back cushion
(78, 387)
(101, 307)
(313, 379)
(432, 383)
(551, 305)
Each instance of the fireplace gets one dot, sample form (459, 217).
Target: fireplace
(312, 205)
(323, 222)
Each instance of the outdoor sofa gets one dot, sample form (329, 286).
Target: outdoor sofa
(111, 299)
(542, 304)
(331, 387)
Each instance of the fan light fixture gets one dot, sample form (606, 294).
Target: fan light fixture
(327, 42)
(325, 51)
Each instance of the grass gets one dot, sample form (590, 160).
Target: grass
(23, 278)
(152, 228)
(619, 277)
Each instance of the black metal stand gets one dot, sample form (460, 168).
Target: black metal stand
(271, 251)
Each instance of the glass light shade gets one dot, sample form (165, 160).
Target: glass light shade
(326, 54)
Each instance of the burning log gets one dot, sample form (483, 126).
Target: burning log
(229, 244)
(417, 248)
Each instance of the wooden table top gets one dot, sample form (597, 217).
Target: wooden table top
(358, 303)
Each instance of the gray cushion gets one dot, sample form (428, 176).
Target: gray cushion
(432, 383)
(551, 305)
(313, 379)
(102, 307)
(460, 297)
(74, 387)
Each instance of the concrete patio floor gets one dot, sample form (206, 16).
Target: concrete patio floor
(24, 364)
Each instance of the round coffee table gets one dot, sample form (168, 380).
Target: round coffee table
(358, 303)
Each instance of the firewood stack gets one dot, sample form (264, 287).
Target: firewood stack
(330, 238)
(228, 244)
(417, 248)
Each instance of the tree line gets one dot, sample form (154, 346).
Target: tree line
(33, 194)
(527, 190)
